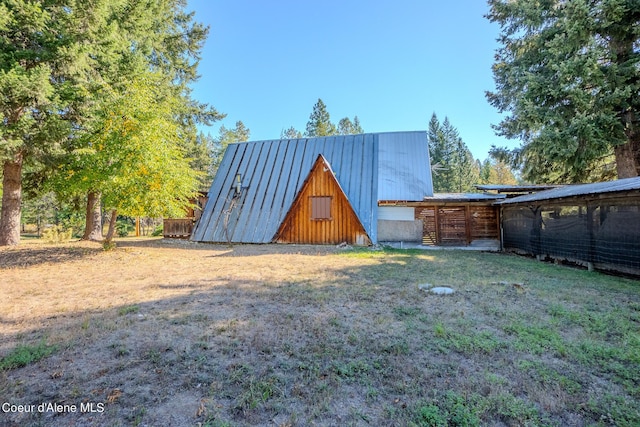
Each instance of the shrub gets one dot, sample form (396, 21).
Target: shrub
(57, 234)
(123, 228)
(159, 231)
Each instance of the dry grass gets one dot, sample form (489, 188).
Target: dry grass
(166, 333)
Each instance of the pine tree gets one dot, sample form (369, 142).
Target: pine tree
(240, 133)
(63, 62)
(441, 154)
(466, 172)
(485, 171)
(357, 128)
(33, 96)
(453, 166)
(290, 133)
(319, 123)
(348, 127)
(568, 75)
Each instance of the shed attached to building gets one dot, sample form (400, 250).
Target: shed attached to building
(459, 219)
(594, 224)
(182, 227)
(322, 190)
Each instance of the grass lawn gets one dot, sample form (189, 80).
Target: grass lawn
(163, 333)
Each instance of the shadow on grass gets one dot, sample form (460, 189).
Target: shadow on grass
(27, 256)
(227, 249)
(360, 346)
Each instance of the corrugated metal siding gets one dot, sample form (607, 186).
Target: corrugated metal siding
(273, 172)
(404, 166)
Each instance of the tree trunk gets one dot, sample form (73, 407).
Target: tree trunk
(625, 161)
(628, 154)
(93, 223)
(112, 226)
(11, 202)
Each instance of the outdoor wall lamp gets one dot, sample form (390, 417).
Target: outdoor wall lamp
(238, 184)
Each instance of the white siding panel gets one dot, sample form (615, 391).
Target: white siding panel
(396, 213)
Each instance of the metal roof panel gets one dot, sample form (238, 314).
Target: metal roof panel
(464, 197)
(274, 171)
(578, 190)
(404, 166)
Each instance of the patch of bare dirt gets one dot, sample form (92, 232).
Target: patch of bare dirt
(161, 332)
(130, 324)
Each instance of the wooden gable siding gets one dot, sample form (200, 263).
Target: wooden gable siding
(343, 224)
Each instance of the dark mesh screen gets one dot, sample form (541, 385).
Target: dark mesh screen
(603, 232)
(518, 230)
(617, 235)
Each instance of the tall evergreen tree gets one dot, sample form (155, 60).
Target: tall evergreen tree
(568, 75)
(466, 172)
(453, 166)
(240, 133)
(494, 171)
(36, 47)
(441, 154)
(348, 127)
(60, 64)
(485, 171)
(290, 133)
(319, 123)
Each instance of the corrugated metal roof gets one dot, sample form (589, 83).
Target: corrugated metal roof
(274, 171)
(464, 197)
(502, 188)
(578, 190)
(405, 169)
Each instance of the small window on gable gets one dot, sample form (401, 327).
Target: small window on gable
(320, 207)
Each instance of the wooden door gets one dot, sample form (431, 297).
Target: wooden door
(452, 225)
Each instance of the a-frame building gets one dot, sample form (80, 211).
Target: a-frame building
(313, 190)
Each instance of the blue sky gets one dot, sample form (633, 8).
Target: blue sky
(391, 63)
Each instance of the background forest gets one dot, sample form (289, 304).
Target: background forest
(99, 121)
